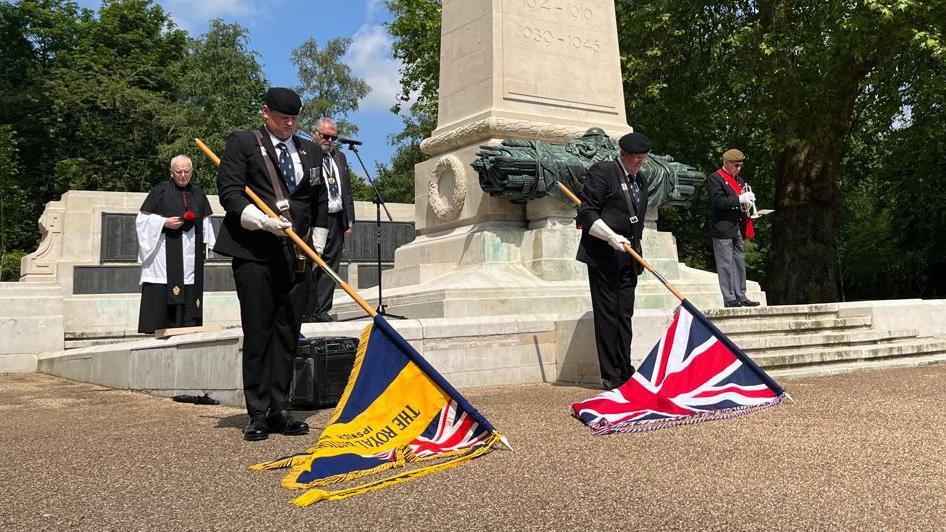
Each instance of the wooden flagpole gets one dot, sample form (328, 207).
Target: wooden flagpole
(296, 239)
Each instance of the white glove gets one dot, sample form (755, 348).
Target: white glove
(599, 229)
(746, 198)
(319, 238)
(253, 219)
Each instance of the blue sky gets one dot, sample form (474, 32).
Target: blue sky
(278, 26)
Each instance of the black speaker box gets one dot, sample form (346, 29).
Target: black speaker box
(320, 371)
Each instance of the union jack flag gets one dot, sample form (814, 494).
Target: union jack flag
(452, 430)
(694, 373)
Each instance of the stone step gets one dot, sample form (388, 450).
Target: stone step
(775, 326)
(916, 347)
(808, 311)
(765, 344)
(823, 370)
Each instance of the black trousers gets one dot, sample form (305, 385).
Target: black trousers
(612, 301)
(270, 332)
(320, 286)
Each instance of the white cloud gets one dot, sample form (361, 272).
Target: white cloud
(193, 14)
(370, 59)
(373, 9)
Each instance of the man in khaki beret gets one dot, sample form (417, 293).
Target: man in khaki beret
(730, 227)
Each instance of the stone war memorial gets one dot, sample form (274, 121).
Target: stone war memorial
(530, 93)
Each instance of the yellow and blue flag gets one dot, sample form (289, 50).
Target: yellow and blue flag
(396, 410)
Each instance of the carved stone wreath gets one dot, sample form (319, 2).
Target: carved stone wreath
(445, 166)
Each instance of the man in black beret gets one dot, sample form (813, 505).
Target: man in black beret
(285, 171)
(613, 204)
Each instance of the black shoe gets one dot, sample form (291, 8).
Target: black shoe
(748, 303)
(283, 423)
(731, 304)
(256, 430)
(324, 317)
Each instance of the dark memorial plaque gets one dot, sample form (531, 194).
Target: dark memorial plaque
(118, 272)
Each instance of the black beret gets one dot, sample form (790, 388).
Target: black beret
(634, 143)
(284, 100)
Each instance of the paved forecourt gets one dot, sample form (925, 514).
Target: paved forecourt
(860, 450)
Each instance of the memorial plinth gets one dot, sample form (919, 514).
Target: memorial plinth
(529, 69)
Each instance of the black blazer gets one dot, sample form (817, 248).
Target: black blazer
(344, 179)
(725, 213)
(243, 165)
(602, 198)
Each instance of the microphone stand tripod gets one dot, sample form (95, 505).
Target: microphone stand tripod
(378, 204)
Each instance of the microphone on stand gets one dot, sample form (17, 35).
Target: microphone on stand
(350, 142)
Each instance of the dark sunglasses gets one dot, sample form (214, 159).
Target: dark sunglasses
(327, 137)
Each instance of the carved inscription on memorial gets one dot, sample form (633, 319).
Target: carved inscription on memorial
(562, 53)
(555, 36)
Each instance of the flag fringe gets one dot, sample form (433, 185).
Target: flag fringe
(403, 456)
(316, 494)
(289, 481)
(604, 427)
(280, 463)
(301, 459)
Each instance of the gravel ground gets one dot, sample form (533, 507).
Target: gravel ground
(859, 451)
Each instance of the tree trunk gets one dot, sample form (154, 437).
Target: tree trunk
(803, 262)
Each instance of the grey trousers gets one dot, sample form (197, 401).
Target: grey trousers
(730, 254)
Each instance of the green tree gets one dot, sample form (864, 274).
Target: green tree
(15, 228)
(220, 89)
(416, 30)
(790, 81)
(893, 231)
(110, 97)
(102, 100)
(35, 39)
(327, 84)
(86, 94)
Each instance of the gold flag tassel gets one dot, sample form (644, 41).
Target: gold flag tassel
(315, 495)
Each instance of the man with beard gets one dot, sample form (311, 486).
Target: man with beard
(341, 218)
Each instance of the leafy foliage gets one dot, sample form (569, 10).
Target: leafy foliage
(102, 101)
(804, 88)
(416, 31)
(220, 89)
(15, 228)
(327, 85)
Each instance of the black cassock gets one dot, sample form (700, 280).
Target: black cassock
(175, 304)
